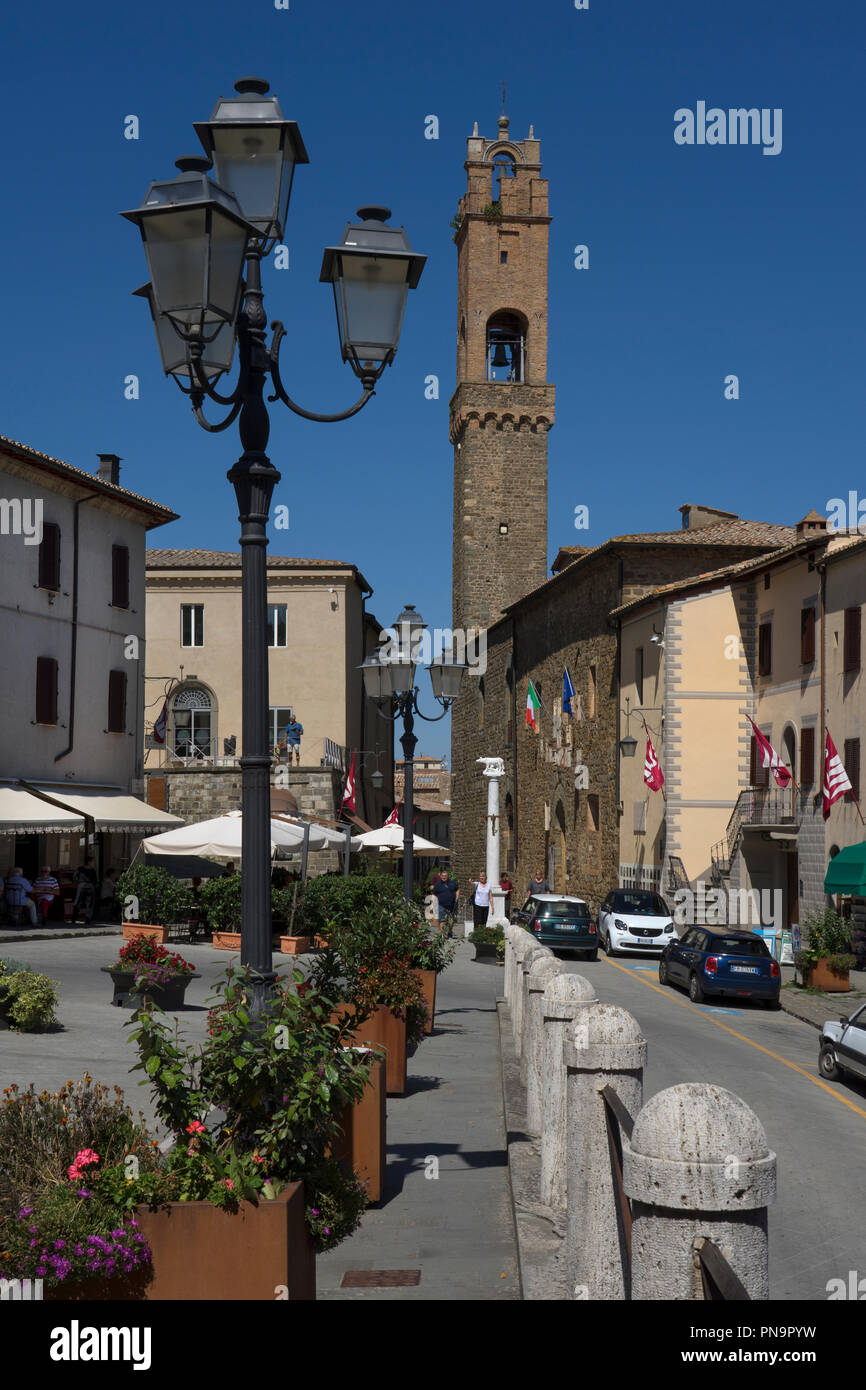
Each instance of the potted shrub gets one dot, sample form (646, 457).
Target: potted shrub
(489, 942)
(825, 958)
(429, 960)
(27, 999)
(147, 970)
(284, 909)
(151, 900)
(221, 899)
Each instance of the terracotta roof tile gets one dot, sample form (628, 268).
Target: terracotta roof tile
(123, 494)
(231, 559)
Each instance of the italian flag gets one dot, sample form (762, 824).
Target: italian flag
(532, 704)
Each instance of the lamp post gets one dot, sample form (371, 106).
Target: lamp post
(205, 239)
(389, 678)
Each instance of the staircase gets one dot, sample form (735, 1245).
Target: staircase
(677, 876)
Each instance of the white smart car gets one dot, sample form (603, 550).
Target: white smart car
(634, 919)
(842, 1047)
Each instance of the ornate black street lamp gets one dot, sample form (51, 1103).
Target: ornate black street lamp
(389, 679)
(205, 238)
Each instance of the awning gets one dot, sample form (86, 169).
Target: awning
(109, 808)
(847, 872)
(22, 813)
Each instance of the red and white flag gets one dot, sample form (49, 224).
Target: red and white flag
(348, 802)
(159, 726)
(836, 780)
(652, 773)
(394, 818)
(769, 757)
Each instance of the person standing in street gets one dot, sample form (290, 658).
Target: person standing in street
(447, 893)
(480, 899)
(507, 887)
(535, 885)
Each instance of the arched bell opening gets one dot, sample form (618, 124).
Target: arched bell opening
(506, 347)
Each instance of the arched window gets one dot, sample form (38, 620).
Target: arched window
(191, 711)
(506, 347)
(503, 168)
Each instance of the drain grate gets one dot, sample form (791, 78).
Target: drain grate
(380, 1278)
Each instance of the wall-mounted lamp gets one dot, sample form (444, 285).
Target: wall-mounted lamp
(657, 637)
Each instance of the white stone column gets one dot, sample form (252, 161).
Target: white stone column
(565, 1000)
(543, 970)
(604, 1048)
(698, 1168)
(494, 771)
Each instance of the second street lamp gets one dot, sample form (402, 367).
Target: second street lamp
(389, 678)
(205, 239)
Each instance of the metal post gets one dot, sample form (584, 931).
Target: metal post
(254, 478)
(305, 851)
(347, 851)
(409, 743)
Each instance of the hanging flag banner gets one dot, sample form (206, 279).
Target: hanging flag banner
(769, 757)
(652, 773)
(532, 705)
(567, 694)
(836, 780)
(348, 802)
(394, 818)
(159, 726)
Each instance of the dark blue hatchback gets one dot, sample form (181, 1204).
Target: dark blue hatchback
(717, 960)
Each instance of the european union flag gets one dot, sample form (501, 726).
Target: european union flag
(567, 694)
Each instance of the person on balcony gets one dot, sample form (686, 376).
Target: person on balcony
(294, 731)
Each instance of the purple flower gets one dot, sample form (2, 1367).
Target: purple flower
(25, 1211)
(327, 1230)
(33, 1242)
(314, 1211)
(83, 1192)
(60, 1245)
(79, 1249)
(40, 1271)
(119, 1232)
(34, 1230)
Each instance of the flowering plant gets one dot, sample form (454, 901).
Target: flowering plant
(143, 951)
(68, 1232)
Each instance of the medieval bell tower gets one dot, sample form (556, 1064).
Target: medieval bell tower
(503, 406)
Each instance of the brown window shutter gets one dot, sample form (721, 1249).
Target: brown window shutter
(765, 649)
(759, 776)
(852, 639)
(807, 636)
(852, 767)
(117, 702)
(120, 576)
(807, 757)
(46, 690)
(49, 556)
(156, 792)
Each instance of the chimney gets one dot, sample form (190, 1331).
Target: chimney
(109, 468)
(695, 515)
(812, 524)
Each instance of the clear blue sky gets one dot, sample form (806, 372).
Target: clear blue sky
(704, 261)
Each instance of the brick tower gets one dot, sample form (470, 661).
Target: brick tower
(503, 406)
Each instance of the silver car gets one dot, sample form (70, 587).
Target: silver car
(842, 1047)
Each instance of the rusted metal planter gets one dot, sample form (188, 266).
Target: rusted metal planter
(382, 1029)
(294, 945)
(821, 976)
(362, 1142)
(428, 984)
(201, 1252)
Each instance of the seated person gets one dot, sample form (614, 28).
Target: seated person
(18, 890)
(45, 890)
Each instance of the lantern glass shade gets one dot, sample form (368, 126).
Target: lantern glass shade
(372, 271)
(377, 778)
(254, 151)
(217, 347)
(446, 677)
(402, 674)
(377, 683)
(409, 630)
(627, 746)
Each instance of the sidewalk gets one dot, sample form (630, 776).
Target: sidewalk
(455, 1232)
(818, 1008)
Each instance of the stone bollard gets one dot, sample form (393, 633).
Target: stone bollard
(534, 953)
(521, 948)
(511, 940)
(603, 1048)
(699, 1167)
(564, 1001)
(543, 970)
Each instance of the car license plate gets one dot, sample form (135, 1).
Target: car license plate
(566, 926)
(744, 969)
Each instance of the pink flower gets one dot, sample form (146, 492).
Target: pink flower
(196, 1127)
(86, 1156)
(229, 1184)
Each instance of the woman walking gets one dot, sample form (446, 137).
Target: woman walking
(480, 900)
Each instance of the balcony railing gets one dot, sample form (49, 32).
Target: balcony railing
(315, 752)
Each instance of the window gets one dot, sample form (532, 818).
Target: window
(852, 767)
(117, 702)
(46, 690)
(503, 258)
(638, 673)
(807, 757)
(506, 348)
(759, 776)
(49, 556)
(192, 625)
(277, 625)
(765, 649)
(807, 636)
(592, 693)
(278, 717)
(767, 580)
(120, 576)
(852, 639)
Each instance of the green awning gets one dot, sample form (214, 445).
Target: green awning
(847, 872)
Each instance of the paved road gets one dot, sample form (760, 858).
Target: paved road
(818, 1129)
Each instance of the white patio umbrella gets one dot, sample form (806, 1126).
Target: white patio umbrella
(221, 838)
(330, 834)
(389, 838)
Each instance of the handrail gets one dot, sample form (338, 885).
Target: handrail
(720, 1283)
